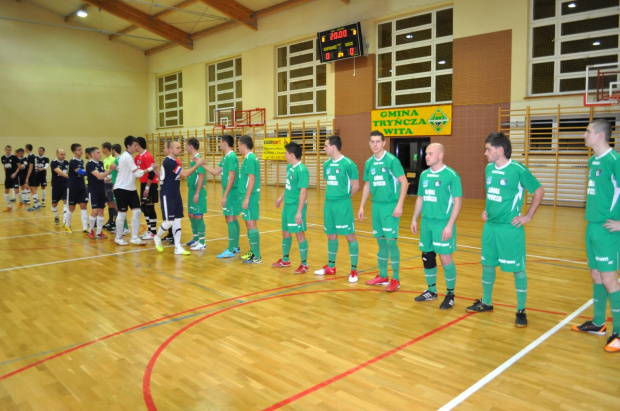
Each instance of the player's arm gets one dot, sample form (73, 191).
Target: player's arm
(303, 195)
(199, 161)
(537, 197)
(355, 186)
(446, 234)
(213, 171)
(419, 202)
(101, 176)
(365, 195)
(30, 168)
(61, 173)
(279, 201)
(404, 185)
(199, 182)
(248, 193)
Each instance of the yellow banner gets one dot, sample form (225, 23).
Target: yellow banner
(273, 148)
(413, 121)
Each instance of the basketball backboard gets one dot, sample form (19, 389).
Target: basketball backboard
(602, 85)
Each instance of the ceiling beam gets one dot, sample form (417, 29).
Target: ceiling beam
(278, 7)
(74, 14)
(235, 11)
(143, 20)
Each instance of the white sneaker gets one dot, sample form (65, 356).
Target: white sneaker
(120, 241)
(147, 236)
(126, 231)
(181, 251)
(137, 241)
(198, 247)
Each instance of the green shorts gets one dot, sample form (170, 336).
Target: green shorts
(200, 207)
(338, 217)
(430, 237)
(602, 248)
(233, 203)
(383, 223)
(289, 211)
(503, 245)
(251, 213)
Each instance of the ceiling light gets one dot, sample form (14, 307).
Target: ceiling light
(596, 43)
(441, 62)
(572, 5)
(81, 13)
(409, 36)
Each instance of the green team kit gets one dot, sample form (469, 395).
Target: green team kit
(502, 243)
(338, 207)
(200, 207)
(438, 190)
(601, 205)
(229, 163)
(249, 166)
(297, 177)
(382, 175)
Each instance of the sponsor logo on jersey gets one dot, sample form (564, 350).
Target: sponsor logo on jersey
(372, 171)
(337, 171)
(598, 172)
(503, 181)
(383, 170)
(329, 170)
(425, 183)
(489, 179)
(437, 183)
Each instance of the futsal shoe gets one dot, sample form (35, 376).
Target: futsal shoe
(7, 210)
(302, 269)
(91, 235)
(20, 205)
(158, 246)
(394, 285)
(190, 243)
(426, 296)
(479, 307)
(198, 247)
(120, 241)
(237, 250)
(56, 220)
(353, 278)
(101, 236)
(378, 280)
(43, 203)
(181, 251)
(613, 343)
(281, 264)
(253, 260)
(521, 320)
(327, 270)
(67, 228)
(448, 302)
(148, 236)
(226, 254)
(590, 328)
(247, 256)
(137, 241)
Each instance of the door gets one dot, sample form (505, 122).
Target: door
(411, 153)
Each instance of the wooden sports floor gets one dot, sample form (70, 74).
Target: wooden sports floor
(90, 325)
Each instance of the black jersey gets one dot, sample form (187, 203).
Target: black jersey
(40, 162)
(10, 164)
(57, 179)
(94, 184)
(76, 181)
(31, 160)
(23, 169)
(170, 178)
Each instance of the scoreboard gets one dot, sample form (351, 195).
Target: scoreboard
(341, 43)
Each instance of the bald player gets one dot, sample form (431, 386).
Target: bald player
(60, 176)
(440, 197)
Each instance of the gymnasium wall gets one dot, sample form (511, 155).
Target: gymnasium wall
(60, 86)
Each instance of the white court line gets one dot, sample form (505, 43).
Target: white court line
(490, 376)
(32, 235)
(110, 255)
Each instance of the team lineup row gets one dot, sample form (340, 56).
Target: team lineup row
(438, 203)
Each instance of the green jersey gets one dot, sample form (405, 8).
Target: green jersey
(192, 179)
(505, 188)
(438, 189)
(382, 174)
(602, 200)
(114, 172)
(338, 174)
(297, 177)
(108, 161)
(249, 166)
(229, 162)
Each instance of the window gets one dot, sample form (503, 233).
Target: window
(548, 134)
(301, 80)
(170, 100)
(414, 60)
(224, 86)
(568, 36)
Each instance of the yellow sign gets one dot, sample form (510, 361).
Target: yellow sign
(413, 121)
(273, 148)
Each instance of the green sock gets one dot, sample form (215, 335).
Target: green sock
(254, 239)
(193, 222)
(237, 233)
(521, 288)
(394, 258)
(431, 279)
(232, 234)
(382, 257)
(332, 250)
(488, 280)
(354, 252)
(599, 295)
(286, 248)
(200, 230)
(303, 252)
(126, 225)
(449, 272)
(614, 304)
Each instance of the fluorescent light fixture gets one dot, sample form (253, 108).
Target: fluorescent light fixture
(572, 5)
(81, 13)
(441, 62)
(409, 36)
(596, 43)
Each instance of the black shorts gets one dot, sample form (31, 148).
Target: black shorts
(40, 179)
(22, 178)
(33, 180)
(10, 182)
(59, 192)
(77, 195)
(126, 199)
(97, 199)
(109, 192)
(171, 207)
(153, 197)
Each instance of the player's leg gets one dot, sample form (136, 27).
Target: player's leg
(287, 239)
(199, 222)
(383, 253)
(329, 228)
(610, 281)
(251, 218)
(489, 259)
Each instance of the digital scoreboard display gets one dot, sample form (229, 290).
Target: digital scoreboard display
(341, 43)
